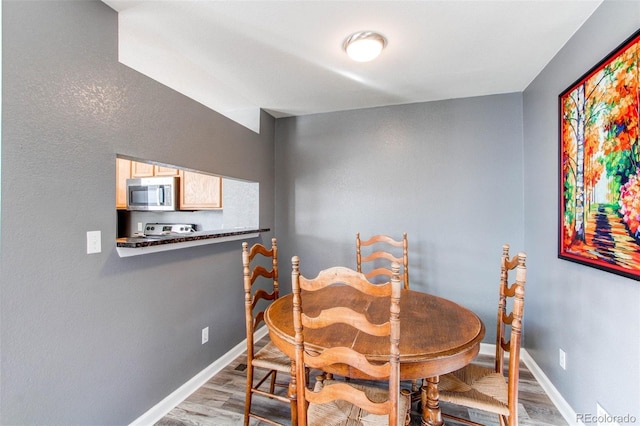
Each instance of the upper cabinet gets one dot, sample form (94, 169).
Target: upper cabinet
(199, 191)
(140, 170)
(123, 172)
(165, 171)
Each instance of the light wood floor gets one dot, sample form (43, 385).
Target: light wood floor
(220, 402)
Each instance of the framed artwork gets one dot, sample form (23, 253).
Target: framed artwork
(599, 188)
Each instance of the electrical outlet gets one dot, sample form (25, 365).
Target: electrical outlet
(94, 243)
(563, 359)
(205, 335)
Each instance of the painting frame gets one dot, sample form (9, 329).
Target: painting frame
(599, 164)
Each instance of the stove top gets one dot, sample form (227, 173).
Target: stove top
(168, 228)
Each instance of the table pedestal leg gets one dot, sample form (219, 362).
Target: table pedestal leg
(291, 393)
(431, 415)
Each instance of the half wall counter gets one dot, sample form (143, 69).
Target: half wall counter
(134, 246)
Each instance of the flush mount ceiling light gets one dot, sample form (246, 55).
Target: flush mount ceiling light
(364, 46)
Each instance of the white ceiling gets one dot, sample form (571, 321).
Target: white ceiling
(286, 57)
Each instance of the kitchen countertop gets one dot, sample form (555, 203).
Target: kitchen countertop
(131, 246)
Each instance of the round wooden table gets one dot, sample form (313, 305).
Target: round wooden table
(437, 336)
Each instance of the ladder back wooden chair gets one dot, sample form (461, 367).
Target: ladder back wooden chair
(333, 402)
(380, 257)
(483, 388)
(260, 272)
(382, 251)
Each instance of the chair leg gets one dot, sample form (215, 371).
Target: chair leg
(272, 385)
(407, 418)
(249, 394)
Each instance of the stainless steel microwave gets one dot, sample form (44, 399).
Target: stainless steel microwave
(152, 193)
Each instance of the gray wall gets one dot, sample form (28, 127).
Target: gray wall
(96, 339)
(448, 173)
(593, 315)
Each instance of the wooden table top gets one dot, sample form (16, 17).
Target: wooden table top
(437, 336)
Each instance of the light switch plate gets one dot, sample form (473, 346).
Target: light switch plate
(94, 242)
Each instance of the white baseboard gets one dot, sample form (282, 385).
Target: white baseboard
(161, 409)
(487, 349)
(563, 406)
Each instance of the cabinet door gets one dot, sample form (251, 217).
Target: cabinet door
(139, 170)
(165, 171)
(199, 191)
(123, 172)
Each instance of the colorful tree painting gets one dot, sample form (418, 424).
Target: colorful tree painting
(600, 165)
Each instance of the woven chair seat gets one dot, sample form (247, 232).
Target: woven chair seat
(487, 389)
(476, 387)
(344, 413)
(272, 358)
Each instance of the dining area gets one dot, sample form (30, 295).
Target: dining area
(355, 344)
(461, 175)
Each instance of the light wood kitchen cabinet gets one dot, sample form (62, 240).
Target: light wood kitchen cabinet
(199, 191)
(123, 172)
(140, 170)
(165, 171)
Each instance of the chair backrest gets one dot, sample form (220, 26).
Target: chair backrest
(394, 251)
(357, 318)
(511, 296)
(258, 262)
